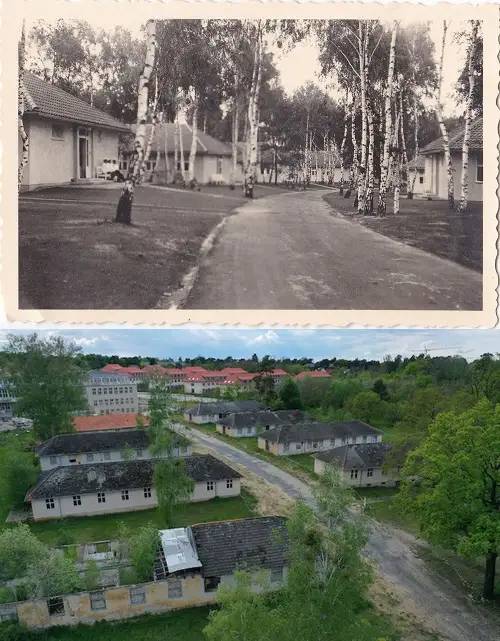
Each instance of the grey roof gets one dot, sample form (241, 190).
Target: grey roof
(93, 442)
(456, 139)
(263, 418)
(121, 475)
(207, 145)
(224, 407)
(317, 431)
(417, 163)
(362, 456)
(48, 101)
(111, 377)
(254, 543)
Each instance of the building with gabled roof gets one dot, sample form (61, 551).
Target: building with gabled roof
(241, 424)
(361, 465)
(68, 138)
(213, 412)
(435, 172)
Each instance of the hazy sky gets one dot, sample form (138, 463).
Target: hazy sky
(300, 65)
(294, 343)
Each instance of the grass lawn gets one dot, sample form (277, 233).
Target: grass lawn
(98, 528)
(428, 225)
(184, 625)
(388, 511)
(375, 492)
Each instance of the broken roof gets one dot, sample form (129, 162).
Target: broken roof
(121, 475)
(243, 544)
(179, 549)
(48, 101)
(317, 431)
(362, 456)
(93, 442)
(263, 418)
(224, 407)
(456, 139)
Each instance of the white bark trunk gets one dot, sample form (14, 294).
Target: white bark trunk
(417, 151)
(396, 163)
(404, 152)
(235, 131)
(355, 151)
(21, 100)
(342, 152)
(384, 165)
(181, 150)
(468, 119)
(154, 122)
(364, 129)
(176, 148)
(253, 125)
(124, 209)
(442, 126)
(194, 140)
(370, 176)
(165, 151)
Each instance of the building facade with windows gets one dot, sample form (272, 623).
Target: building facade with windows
(122, 486)
(436, 173)
(307, 438)
(243, 424)
(7, 399)
(109, 393)
(68, 139)
(362, 465)
(101, 447)
(213, 412)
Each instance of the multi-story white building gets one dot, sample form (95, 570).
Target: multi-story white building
(109, 393)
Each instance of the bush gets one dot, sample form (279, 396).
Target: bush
(20, 475)
(15, 632)
(92, 576)
(7, 595)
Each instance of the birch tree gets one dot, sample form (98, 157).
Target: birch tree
(442, 125)
(384, 165)
(135, 169)
(252, 116)
(464, 183)
(342, 146)
(152, 129)
(21, 105)
(194, 140)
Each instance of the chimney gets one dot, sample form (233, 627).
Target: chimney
(91, 475)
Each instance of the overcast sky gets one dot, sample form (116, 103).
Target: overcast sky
(300, 65)
(293, 343)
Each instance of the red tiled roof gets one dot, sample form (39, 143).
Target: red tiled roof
(107, 422)
(48, 101)
(457, 138)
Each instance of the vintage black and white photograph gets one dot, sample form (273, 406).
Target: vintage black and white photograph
(257, 164)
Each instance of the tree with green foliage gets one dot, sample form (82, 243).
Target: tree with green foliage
(380, 388)
(367, 406)
(289, 395)
(19, 549)
(172, 485)
(20, 475)
(141, 550)
(47, 381)
(52, 574)
(92, 578)
(266, 389)
(456, 497)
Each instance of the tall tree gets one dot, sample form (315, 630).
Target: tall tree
(471, 55)
(21, 106)
(47, 382)
(457, 495)
(442, 125)
(253, 112)
(136, 168)
(289, 395)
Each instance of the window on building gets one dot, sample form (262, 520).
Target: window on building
(276, 575)
(421, 180)
(105, 390)
(57, 132)
(53, 460)
(369, 471)
(93, 390)
(50, 503)
(125, 496)
(211, 583)
(174, 588)
(210, 486)
(219, 165)
(55, 606)
(137, 596)
(354, 474)
(479, 167)
(77, 500)
(298, 446)
(90, 457)
(72, 460)
(229, 483)
(101, 497)
(186, 168)
(107, 456)
(97, 601)
(147, 492)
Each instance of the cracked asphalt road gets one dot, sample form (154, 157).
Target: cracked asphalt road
(288, 251)
(433, 599)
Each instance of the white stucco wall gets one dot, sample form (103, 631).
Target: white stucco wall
(379, 477)
(306, 447)
(51, 161)
(436, 176)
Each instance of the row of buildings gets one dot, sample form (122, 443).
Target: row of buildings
(71, 140)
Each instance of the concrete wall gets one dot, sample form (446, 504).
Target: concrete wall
(241, 432)
(307, 447)
(436, 176)
(114, 503)
(63, 460)
(379, 476)
(118, 605)
(105, 147)
(113, 397)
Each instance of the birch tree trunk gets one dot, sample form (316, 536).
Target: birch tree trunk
(417, 151)
(194, 142)
(135, 169)
(235, 131)
(154, 122)
(442, 126)
(396, 163)
(21, 102)
(368, 211)
(253, 125)
(384, 165)
(342, 151)
(360, 197)
(464, 184)
(404, 152)
(354, 165)
(176, 149)
(165, 151)
(181, 152)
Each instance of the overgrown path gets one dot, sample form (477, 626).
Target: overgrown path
(287, 251)
(436, 602)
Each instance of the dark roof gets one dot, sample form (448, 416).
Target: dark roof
(48, 101)
(207, 145)
(316, 431)
(226, 546)
(263, 417)
(456, 139)
(120, 475)
(362, 456)
(418, 163)
(224, 407)
(93, 442)
(111, 377)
